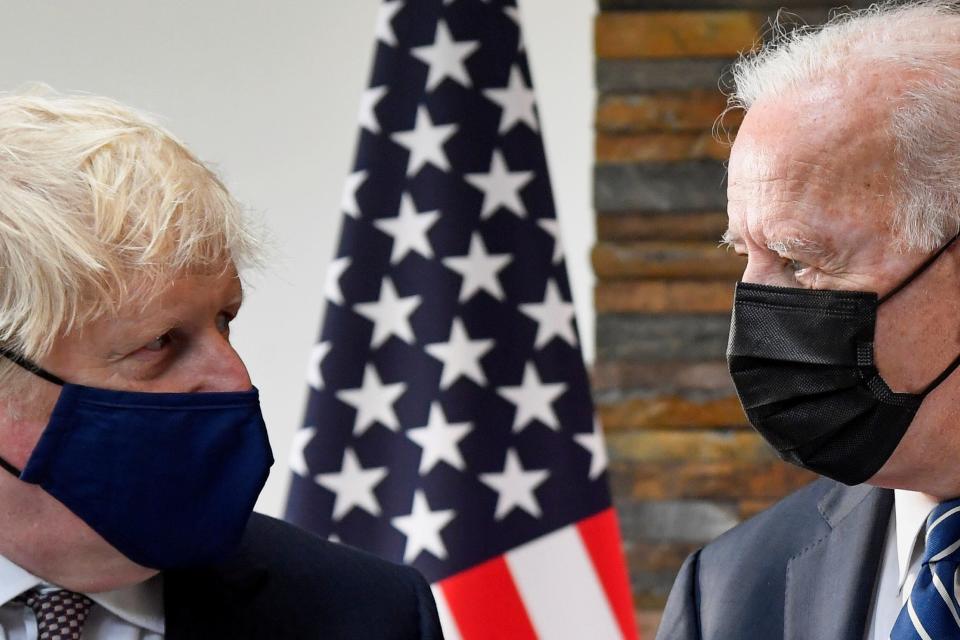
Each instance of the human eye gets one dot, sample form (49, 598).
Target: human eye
(223, 322)
(159, 343)
(796, 268)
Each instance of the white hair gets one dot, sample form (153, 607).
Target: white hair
(921, 40)
(100, 207)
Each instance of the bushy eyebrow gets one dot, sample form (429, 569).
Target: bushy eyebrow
(729, 239)
(788, 245)
(795, 245)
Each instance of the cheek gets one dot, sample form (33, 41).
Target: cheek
(29, 418)
(925, 457)
(916, 338)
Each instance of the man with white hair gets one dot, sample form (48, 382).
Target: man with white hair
(844, 194)
(131, 441)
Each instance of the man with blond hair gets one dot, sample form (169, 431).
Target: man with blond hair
(132, 446)
(844, 194)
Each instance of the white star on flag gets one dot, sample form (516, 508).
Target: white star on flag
(425, 142)
(533, 399)
(479, 269)
(331, 288)
(446, 57)
(515, 486)
(353, 486)
(439, 440)
(514, 14)
(373, 401)
(516, 100)
(298, 460)
(551, 226)
(460, 356)
(384, 29)
(348, 203)
(501, 187)
(317, 354)
(390, 314)
(554, 317)
(593, 442)
(409, 230)
(422, 528)
(368, 104)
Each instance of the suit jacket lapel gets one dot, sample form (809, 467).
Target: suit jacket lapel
(830, 583)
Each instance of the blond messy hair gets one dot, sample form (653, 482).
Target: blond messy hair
(100, 207)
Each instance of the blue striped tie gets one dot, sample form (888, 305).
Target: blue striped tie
(932, 611)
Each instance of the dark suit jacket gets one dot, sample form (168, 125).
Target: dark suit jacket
(284, 583)
(803, 570)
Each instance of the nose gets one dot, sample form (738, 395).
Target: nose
(763, 271)
(220, 367)
(752, 273)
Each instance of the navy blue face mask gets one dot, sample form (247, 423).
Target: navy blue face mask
(168, 479)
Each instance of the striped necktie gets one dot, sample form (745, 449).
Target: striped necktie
(932, 611)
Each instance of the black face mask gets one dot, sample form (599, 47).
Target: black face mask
(802, 363)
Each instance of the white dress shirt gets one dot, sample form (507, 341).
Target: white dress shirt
(133, 613)
(902, 554)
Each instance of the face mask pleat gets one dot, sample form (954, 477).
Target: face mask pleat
(810, 378)
(878, 432)
(797, 335)
(818, 414)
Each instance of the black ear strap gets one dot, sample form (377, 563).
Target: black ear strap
(940, 378)
(918, 271)
(9, 468)
(30, 366)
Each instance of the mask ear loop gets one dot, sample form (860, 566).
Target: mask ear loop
(30, 366)
(946, 373)
(9, 468)
(940, 378)
(918, 271)
(33, 368)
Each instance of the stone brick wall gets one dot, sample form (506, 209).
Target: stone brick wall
(684, 465)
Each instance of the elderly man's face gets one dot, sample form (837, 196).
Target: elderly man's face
(810, 202)
(178, 343)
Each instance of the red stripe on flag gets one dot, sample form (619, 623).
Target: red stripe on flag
(601, 535)
(485, 603)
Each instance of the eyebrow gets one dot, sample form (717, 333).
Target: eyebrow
(791, 244)
(730, 238)
(797, 245)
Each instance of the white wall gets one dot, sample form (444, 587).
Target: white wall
(268, 92)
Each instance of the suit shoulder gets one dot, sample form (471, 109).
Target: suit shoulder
(766, 541)
(720, 588)
(347, 591)
(285, 583)
(790, 518)
(307, 559)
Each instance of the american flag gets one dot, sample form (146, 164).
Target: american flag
(449, 423)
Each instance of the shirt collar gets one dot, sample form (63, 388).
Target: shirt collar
(140, 604)
(14, 580)
(912, 509)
